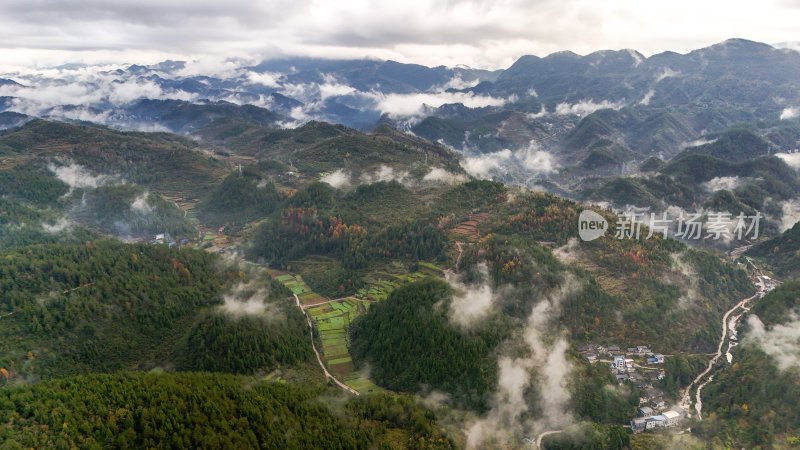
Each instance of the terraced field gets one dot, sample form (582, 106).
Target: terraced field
(468, 230)
(331, 318)
(381, 284)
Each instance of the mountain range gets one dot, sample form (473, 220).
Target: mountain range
(371, 254)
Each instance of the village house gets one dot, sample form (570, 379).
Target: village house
(163, 238)
(673, 418)
(648, 420)
(640, 424)
(658, 403)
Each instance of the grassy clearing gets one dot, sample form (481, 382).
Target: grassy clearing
(331, 318)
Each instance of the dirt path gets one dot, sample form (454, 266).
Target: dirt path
(328, 375)
(544, 435)
(460, 252)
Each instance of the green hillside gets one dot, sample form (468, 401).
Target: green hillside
(202, 410)
(104, 306)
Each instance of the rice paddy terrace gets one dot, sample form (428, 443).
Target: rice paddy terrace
(331, 318)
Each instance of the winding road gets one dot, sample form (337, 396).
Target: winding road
(686, 400)
(544, 435)
(729, 326)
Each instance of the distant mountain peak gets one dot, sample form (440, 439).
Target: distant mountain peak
(739, 45)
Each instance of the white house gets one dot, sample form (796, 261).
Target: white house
(673, 418)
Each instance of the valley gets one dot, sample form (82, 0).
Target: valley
(328, 261)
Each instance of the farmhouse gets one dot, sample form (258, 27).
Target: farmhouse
(640, 424)
(672, 418)
(163, 238)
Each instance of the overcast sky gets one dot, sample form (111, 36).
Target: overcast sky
(479, 33)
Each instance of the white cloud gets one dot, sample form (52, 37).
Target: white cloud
(267, 79)
(248, 300)
(43, 89)
(533, 116)
(530, 161)
(141, 205)
(386, 173)
(482, 165)
(781, 341)
(569, 252)
(332, 88)
(667, 73)
(647, 97)
(586, 107)
(791, 214)
(790, 113)
(410, 105)
(439, 175)
(77, 176)
(722, 183)
(537, 161)
(60, 225)
(515, 375)
(457, 83)
(471, 304)
(338, 179)
(792, 159)
(697, 143)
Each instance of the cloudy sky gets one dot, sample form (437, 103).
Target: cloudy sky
(479, 33)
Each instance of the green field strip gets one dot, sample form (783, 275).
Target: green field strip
(332, 347)
(319, 310)
(362, 384)
(343, 360)
(328, 315)
(335, 340)
(336, 351)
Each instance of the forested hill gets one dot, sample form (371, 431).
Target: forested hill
(202, 410)
(105, 306)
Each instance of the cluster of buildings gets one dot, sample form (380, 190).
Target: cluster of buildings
(623, 363)
(644, 368)
(650, 419)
